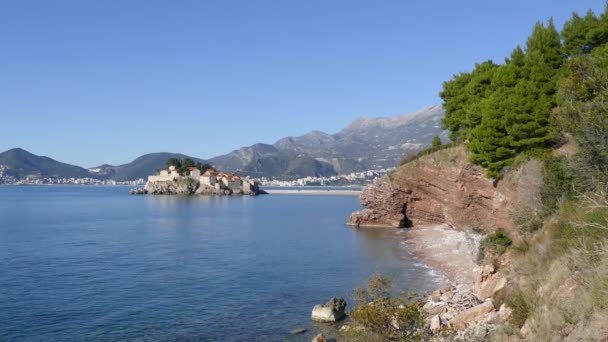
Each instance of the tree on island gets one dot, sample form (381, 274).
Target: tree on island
(186, 164)
(203, 167)
(174, 162)
(182, 166)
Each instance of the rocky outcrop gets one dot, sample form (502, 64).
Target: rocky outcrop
(444, 187)
(385, 205)
(210, 190)
(138, 191)
(188, 186)
(184, 186)
(331, 311)
(440, 188)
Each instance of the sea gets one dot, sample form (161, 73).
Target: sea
(92, 263)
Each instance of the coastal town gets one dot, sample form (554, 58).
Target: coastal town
(353, 178)
(33, 179)
(229, 180)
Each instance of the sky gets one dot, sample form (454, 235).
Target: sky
(94, 82)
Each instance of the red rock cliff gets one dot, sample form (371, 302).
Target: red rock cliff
(444, 187)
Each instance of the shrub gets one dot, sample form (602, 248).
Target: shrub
(557, 184)
(496, 242)
(526, 218)
(520, 306)
(377, 316)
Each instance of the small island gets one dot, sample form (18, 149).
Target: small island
(187, 178)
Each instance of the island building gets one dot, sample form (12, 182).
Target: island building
(211, 179)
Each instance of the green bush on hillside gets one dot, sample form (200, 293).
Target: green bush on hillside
(518, 303)
(557, 184)
(497, 242)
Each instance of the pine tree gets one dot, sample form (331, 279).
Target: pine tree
(576, 33)
(436, 142)
(461, 99)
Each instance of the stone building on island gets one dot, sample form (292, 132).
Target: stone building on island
(211, 182)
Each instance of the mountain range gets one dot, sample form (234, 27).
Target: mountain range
(365, 144)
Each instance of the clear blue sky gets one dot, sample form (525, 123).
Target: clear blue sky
(91, 82)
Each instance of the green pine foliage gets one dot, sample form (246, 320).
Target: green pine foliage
(182, 166)
(501, 111)
(436, 142)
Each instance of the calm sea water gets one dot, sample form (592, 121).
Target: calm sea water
(93, 263)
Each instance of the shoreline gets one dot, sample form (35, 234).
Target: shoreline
(451, 252)
(310, 192)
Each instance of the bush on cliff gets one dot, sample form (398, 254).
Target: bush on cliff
(497, 242)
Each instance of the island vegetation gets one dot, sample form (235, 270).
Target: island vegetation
(183, 165)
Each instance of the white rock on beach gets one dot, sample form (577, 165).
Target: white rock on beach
(331, 311)
(436, 323)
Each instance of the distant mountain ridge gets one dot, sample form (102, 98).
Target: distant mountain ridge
(365, 144)
(141, 167)
(20, 163)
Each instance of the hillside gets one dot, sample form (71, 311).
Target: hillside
(21, 163)
(141, 167)
(366, 143)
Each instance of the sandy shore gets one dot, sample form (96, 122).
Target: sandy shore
(445, 249)
(314, 192)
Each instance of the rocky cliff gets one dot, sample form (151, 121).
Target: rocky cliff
(444, 187)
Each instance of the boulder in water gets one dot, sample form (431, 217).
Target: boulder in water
(138, 191)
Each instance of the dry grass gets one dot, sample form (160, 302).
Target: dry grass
(563, 276)
(454, 157)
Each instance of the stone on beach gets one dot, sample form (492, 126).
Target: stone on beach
(471, 315)
(435, 323)
(331, 311)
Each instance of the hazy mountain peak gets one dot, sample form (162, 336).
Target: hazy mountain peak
(365, 122)
(366, 143)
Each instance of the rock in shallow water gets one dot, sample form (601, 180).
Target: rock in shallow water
(297, 331)
(331, 311)
(138, 191)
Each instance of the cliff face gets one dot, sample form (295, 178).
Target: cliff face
(178, 186)
(444, 187)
